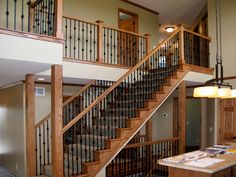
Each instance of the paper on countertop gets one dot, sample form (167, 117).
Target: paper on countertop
(204, 162)
(186, 157)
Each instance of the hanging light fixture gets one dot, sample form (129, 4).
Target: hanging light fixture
(216, 88)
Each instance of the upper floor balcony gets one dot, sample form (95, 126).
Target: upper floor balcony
(40, 35)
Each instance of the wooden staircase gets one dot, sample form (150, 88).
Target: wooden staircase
(96, 134)
(133, 125)
(107, 125)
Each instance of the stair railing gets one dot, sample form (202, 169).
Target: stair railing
(196, 49)
(158, 65)
(97, 42)
(141, 159)
(35, 16)
(73, 106)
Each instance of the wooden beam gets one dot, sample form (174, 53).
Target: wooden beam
(149, 130)
(30, 122)
(182, 117)
(57, 135)
(58, 18)
(140, 6)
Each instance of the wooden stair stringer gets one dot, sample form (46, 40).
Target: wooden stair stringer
(126, 136)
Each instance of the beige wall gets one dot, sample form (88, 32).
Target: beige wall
(12, 126)
(228, 15)
(43, 103)
(163, 126)
(107, 11)
(228, 27)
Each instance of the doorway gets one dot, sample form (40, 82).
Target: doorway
(128, 43)
(193, 122)
(127, 20)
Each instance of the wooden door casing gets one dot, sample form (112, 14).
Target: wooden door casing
(227, 127)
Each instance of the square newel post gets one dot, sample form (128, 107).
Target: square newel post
(99, 40)
(181, 46)
(30, 16)
(58, 19)
(182, 117)
(56, 109)
(30, 123)
(148, 45)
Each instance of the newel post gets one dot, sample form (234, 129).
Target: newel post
(56, 109)
(148, 45)
(30, 16)
(99, 40)
(30, 123)
(181, 46)
(182, 117)
(58, 18)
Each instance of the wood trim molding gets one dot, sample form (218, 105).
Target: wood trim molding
(96, 63)
(31, 35)
(140, 6)
(200, 69)
(30, 122)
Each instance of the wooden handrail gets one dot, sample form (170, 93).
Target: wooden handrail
(124, 31)
(79, 92)
(35, 3)
(104, 26)
(151, 142)
(79, 19)
(42, 121)
(104, 94)
(67, 102)
(197, 34)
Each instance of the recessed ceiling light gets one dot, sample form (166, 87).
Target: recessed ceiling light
(41, 79)
(169, 29)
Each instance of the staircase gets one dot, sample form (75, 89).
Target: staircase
(106, 126)
(94, 134)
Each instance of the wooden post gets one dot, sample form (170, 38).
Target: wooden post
(56, 109)
(30, 123)
(31, 17)
(148, 43)
(181, 46)
(182, 117)
(58, 18)
(149, 122)
(99, 39)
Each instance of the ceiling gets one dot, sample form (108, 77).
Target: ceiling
(13, 71)
(174, 12)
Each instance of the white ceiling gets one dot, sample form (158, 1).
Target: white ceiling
(13, 71)
(174, 12)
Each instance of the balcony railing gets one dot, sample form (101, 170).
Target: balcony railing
(28, 16)
(196, 49)
(141, 159)
(96, 42)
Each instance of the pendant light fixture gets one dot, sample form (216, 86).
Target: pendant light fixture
(216, 88)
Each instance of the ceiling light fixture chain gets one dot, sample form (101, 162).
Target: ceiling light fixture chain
(216, 88)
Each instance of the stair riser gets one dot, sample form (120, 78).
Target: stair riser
(121, 113)
(90, 141)
(111, 122)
